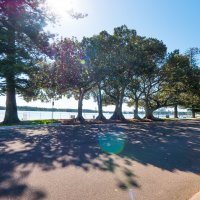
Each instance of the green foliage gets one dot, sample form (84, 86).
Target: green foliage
(40, 122)
(183, 79)
(23, 41)
(123, 65)
(34, 122)
(119, 61)
(119, 67)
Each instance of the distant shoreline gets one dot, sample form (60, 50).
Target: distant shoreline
(29, 108)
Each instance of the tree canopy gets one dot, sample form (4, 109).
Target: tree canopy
(114, 67)
(23, 44)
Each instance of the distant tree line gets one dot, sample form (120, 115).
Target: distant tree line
(30, 108)
(116, 68)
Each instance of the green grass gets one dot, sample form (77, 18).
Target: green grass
(45, 121)
(33, 122)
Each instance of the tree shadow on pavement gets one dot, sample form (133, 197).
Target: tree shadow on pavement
(169, 146)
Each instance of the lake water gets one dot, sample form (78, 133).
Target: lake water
(34, 115)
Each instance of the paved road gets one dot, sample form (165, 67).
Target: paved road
(141, 161)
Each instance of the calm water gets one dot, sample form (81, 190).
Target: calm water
(34, 115)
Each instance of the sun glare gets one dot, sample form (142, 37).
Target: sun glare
(63, 7)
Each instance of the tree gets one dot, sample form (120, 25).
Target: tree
(178, 73)
(96, 52)
(118, 62)
(75, 75)
(45, 84)
(134, 93)
(23, 44)
(85, 79)
(154, 52)
(135, 89)
(191, 99)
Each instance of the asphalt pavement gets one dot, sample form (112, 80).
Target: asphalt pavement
(140, 161)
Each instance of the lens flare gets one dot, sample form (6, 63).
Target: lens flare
(82, 62)
(111, 142)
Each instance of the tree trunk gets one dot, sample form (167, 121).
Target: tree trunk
(11, 105)
(118, 115)
(149, 114)
(176, 111)
(148, 111)
(80, 106)
(100, 110)
(136, 116)
(193, 113)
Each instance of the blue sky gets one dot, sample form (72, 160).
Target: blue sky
(175, 22)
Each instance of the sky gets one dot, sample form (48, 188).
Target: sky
(175, 22)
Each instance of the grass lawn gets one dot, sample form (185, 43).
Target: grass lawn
(34, 122)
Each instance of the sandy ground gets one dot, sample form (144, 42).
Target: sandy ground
(140, 161)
